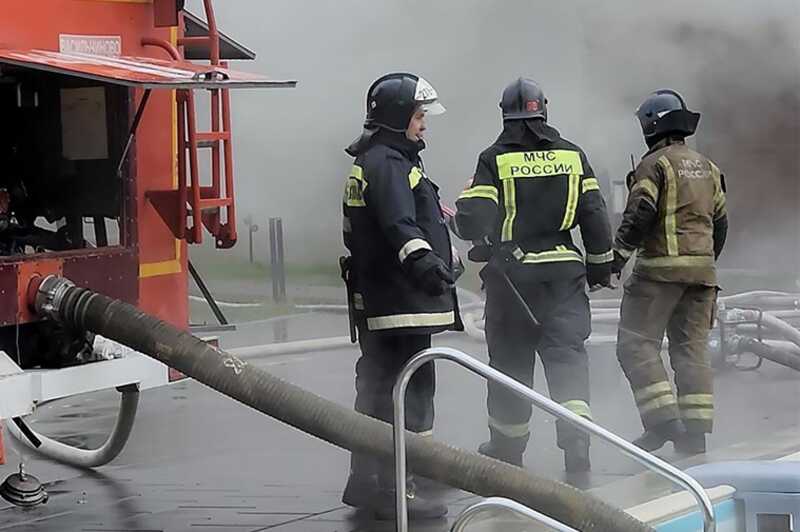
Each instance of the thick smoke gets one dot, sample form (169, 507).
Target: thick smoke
(735, 62)
(739, 66)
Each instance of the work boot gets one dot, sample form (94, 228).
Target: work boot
(383, 503)
(576, 457)
(504, 448)
(655, 438)
(691, 443)
(362, 482)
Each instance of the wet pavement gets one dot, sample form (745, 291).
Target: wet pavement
(201, 462)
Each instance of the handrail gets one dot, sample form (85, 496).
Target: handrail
(469, 514)
(428, 355)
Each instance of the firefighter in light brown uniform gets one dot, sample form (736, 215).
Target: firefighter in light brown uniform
(676, 222)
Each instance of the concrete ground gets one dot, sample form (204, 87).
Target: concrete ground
(200, 462)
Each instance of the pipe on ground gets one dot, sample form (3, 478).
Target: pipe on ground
(779, 355)
(235, 378)
(67, 454)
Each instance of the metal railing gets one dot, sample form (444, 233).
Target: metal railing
(494, 503)
(429, 355)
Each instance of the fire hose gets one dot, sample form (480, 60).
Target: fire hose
(59, 299)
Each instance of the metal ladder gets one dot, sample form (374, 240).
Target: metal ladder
(648, 460)
(204, 204)
(207, 202)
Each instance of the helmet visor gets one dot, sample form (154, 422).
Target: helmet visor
(432, 108)
(427, 98)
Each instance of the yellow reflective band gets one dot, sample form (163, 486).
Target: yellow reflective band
(511, 430)
(425, 433)
(354, 193)
(696, 399)
(578, 407)
(716, 175)
(354, 188)
(538, 164)
(599, 258)
(398, 321)
(719, 202)
(590, 183)
(510, 203)
(653, 390)
(415, 244)
(698, 413)
(413, 177)
(658, 402)
(481, 191)
(557, 255)
(670, 226)
(572, 202)
(719, 194)
(670, 262)
(646, 185)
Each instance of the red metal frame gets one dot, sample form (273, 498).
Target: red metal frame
(204, 203)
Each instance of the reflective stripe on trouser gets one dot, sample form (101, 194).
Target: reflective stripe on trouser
(563, 310)
(697, 411)
(649, 309)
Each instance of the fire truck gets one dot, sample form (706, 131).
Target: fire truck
(108, 171)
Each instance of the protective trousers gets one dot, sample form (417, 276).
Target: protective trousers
(562, 308)
(382, 358)
(685, 312)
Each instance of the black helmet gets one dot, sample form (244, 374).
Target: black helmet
(523, 99)
(664, 112)
(394, 98)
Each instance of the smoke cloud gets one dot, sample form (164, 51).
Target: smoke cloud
(735, 62)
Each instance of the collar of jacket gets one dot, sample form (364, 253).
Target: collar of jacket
(669, 140)
(397, 141)
(400, 142)
(527, 132)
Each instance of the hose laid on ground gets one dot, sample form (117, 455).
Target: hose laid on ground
(769, 321)
(67, 454)
(235, 378)
(782, 356)
(778, 325)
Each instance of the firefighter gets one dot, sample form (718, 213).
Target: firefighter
(399, 273)
(676, 221)
(530, 189)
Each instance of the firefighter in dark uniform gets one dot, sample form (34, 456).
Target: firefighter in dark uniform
(399, 273)
(676, 221)
(530, 189)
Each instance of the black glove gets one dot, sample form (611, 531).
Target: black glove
(458, 265)
(429, 272)
(618, 264)
(598, 275)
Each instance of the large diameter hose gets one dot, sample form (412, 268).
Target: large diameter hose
(326, 420)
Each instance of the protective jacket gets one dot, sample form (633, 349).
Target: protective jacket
(531, 188)
(392, 215)
(675, 216)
